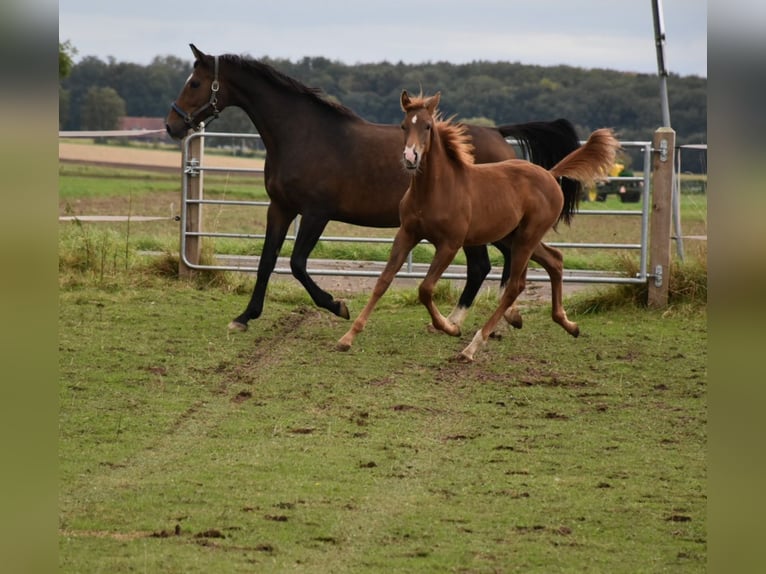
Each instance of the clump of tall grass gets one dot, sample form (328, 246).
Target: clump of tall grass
(166, 265)
(687, 287)
(94, 253)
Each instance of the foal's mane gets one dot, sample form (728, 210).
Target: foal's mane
(454, 135)
(278, 78)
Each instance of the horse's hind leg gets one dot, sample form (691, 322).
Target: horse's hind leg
(553, 262)
(278, 221)
(310, 230)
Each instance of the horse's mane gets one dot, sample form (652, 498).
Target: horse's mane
(454, 135)
(275, 76)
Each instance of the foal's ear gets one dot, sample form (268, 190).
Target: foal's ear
(198, 54)
(405, 100)
(433, 102)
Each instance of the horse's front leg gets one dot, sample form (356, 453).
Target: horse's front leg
(310, 230)
(442, 258)
(278, 221)
(403, 244)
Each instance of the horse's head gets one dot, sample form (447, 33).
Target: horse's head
(418, 125)
(200, 97)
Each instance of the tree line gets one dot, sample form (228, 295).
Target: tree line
(93, 93)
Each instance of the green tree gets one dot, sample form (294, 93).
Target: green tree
(66, 58)
(102, 109)
(66, 63)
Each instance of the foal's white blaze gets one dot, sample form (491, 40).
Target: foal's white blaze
(409, 154)
(414, 120)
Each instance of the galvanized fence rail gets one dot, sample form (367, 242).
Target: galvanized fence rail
(195, 165)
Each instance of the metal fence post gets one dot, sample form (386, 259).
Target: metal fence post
(659, 242)
(192, 222)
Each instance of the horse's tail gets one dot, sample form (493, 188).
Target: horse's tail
(587, 164)
(546, 143)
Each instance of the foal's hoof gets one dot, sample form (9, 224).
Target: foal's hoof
(343, 310)
(237, 327)
(513, 317)
(575, 332)
(341, 346)
(463, 357)
(454, 331)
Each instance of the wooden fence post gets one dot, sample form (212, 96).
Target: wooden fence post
(193, 178)
(663, 146)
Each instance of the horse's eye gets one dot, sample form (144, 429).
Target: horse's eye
(194, 84)
(402, 126)
(428, 126)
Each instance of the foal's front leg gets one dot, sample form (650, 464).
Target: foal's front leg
(444, 255)
(403, 244)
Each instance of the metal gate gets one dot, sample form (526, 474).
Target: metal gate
(193, 199)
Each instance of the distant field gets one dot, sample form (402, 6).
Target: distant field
(116, 155)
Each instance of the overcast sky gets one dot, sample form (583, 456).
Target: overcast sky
(618, 35)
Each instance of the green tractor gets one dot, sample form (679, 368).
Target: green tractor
(628, 191)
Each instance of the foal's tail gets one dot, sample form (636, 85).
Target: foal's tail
(587, 164)
(546, 143)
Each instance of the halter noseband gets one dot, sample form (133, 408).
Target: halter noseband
(188, 118)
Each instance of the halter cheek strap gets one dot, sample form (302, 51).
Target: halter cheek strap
(188, 117)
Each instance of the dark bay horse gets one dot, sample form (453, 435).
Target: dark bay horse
(453, 202)
(326, 163)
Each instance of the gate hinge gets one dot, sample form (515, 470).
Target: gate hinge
(663, 150)
(658, 276)
(192, 167)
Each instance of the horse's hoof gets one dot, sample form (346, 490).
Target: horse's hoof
(237, 327)
(496, 335)
(343, 310)
(462, 357)
(575, 332)
(341, 346)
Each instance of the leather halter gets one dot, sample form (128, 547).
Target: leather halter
(212, 103)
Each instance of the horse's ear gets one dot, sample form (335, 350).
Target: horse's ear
(433, 102)
(198, 54)
(405, 100)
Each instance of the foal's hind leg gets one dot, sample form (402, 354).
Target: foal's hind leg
(310, 230)
(520, 254)
(553, 262)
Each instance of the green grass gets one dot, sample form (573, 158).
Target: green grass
(184, 448)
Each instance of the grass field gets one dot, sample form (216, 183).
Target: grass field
(93, 190)
(183, 448)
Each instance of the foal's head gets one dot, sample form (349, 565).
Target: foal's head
(200, 97)
(422, 123)
(418, 125)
